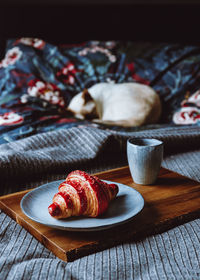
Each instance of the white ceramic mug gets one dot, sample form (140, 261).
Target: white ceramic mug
(144, 158)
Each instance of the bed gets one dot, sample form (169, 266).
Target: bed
(41, 142)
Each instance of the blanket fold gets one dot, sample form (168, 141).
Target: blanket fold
(52, 155)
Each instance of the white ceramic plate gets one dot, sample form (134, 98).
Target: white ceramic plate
(124, 207)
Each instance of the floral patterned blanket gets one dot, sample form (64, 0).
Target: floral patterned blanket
(38, 80)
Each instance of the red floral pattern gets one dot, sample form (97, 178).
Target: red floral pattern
(57, 73)
(94, 48)
(67, 73)
(190, 110)
(45, 91)
(187, 115)
(33, 42)
(194, 98)
(11, 57)
(11, 118)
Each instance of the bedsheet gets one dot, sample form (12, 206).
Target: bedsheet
(38, 80)
(40, 142)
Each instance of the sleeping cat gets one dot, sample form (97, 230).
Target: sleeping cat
(125, 104)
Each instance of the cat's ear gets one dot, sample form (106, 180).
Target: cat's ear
(89, 105)
(86, 96)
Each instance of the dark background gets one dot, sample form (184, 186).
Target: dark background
(74, 21)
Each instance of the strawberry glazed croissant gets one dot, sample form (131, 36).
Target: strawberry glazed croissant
(82, 194)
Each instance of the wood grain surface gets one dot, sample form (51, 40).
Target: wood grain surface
(173, 200)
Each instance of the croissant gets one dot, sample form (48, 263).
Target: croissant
(82, 194)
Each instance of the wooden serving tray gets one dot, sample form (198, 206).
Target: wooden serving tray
(173, 200)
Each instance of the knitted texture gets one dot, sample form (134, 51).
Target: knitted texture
(50, 156)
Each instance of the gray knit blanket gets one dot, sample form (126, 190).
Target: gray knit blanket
(41, 158)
